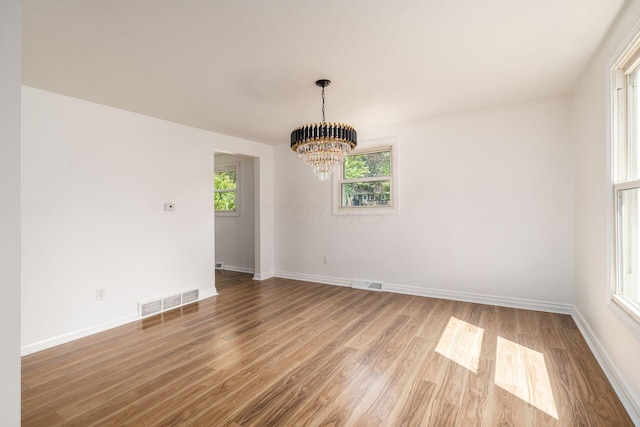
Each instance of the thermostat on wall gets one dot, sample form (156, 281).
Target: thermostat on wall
(169, 207)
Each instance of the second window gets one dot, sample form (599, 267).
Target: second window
(366, 179)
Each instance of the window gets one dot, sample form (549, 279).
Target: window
(366, 182)
(625, 155)
(225, 195)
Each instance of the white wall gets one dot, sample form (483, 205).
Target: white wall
(95, 180)
(485, 208)
(235, 237)
(10, 213)
(591, 198)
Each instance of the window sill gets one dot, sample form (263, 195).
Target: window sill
(626, 314)
(234, 213)
(366, 211)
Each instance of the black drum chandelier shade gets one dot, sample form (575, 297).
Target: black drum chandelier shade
(323, 145)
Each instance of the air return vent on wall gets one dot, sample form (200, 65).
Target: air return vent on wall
(158, 305)
(368, 285)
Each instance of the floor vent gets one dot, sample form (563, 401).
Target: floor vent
(172, 301)
(368, 285)
(149, 308)
(219, 266)
(155, 306)
(189, 296)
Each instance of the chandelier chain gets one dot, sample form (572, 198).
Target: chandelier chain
(323, 104)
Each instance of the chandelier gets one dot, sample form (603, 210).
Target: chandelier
(323, 145)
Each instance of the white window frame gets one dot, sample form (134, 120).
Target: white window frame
(626, 61)
(227, 167)
(364, 148)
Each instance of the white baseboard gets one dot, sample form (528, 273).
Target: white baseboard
(207, 293)
(46, 343)
(336, 281)
(629, 400)
(526, 304)
(77, 334)
(238, 269)
(263, 276)
(551, 307)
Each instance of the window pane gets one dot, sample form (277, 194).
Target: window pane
(367, 165)
(632, 169)
(372, 193)
(225, 201)
(224, 180)
(628, 239)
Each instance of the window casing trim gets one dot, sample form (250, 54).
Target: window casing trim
(372, 146)
(227, 167)
(625, 61)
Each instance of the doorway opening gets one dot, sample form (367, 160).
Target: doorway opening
(236, 210)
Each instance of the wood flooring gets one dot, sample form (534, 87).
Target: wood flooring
(287, 353)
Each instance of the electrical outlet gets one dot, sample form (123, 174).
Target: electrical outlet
(325, 259)
(101, 294)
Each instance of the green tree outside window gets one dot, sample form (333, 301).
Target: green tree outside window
(366, 179)
(224, 185)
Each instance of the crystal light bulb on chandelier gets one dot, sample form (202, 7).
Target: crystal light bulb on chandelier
(323, 145)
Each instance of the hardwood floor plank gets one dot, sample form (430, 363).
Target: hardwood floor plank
(569, 384)
(293, 390)
(226, 386)
(301, 345)
(285, 352)
(342, 378)
(478, 394)
(342, 409)
(338, 334)
(408, 362)
(417, 404)
(383, 364)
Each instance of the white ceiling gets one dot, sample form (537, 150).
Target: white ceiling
(247, 67)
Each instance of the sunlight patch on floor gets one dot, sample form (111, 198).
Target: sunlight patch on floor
(522, 372)
(461, 342)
